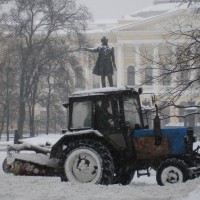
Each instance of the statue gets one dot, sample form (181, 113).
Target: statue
(105, 61)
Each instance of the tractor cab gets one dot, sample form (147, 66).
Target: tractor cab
(103, 109)
(112, 112)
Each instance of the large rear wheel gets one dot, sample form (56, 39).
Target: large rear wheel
(88, 161)
(172, 171)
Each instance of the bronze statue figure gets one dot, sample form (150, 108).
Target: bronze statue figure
(105, 61)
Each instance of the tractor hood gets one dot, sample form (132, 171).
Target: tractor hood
(175, 137)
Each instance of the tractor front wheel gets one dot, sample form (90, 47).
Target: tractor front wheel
(172, 171)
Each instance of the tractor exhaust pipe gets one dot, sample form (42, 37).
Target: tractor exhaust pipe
(157, 130)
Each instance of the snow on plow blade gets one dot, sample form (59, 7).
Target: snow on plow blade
(34, 162)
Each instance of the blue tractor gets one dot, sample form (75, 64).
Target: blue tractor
(107, 142)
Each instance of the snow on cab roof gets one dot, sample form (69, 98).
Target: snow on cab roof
(102, 90)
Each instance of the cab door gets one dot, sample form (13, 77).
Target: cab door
(131, 120)
(108, 120)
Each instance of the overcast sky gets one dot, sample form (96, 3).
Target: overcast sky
(114, 9)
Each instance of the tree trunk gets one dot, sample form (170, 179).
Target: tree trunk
(31, 120)
(22, 105)
(2, 125)
(48, 113)
(7, 120)
(21, 119)
(32, 111)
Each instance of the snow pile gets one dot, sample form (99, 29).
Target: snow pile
(39, 158)
(43, 140)
(43, 188)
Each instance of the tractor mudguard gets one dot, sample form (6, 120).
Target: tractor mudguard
(57, 148)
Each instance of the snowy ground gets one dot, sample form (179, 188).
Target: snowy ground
(46, 188)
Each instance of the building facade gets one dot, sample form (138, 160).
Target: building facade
(136, 37)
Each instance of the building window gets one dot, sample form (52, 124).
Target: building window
(95, 81)
(115, 78)
(129, 52)
(182, 111)
(198, 116)
(184, 75)
(166, 80)
(130, 75)
(198, 75)
(79, 79)
(165, 77)
(148, 75)
(166, 116)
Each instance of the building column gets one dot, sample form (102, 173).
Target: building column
(120, 65)
(173, 78)
(156, 83)
(88, 81)
(137, 66)
(87, 71)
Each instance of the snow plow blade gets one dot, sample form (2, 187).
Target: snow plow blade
(35, 162)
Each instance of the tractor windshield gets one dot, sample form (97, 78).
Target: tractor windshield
(132, 112)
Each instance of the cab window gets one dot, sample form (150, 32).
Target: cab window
(82, 115)
(131, 112)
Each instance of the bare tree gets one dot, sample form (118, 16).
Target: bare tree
(57, 81)
(179, 64)
(33, 24)
(8, 87)
(192, 3)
